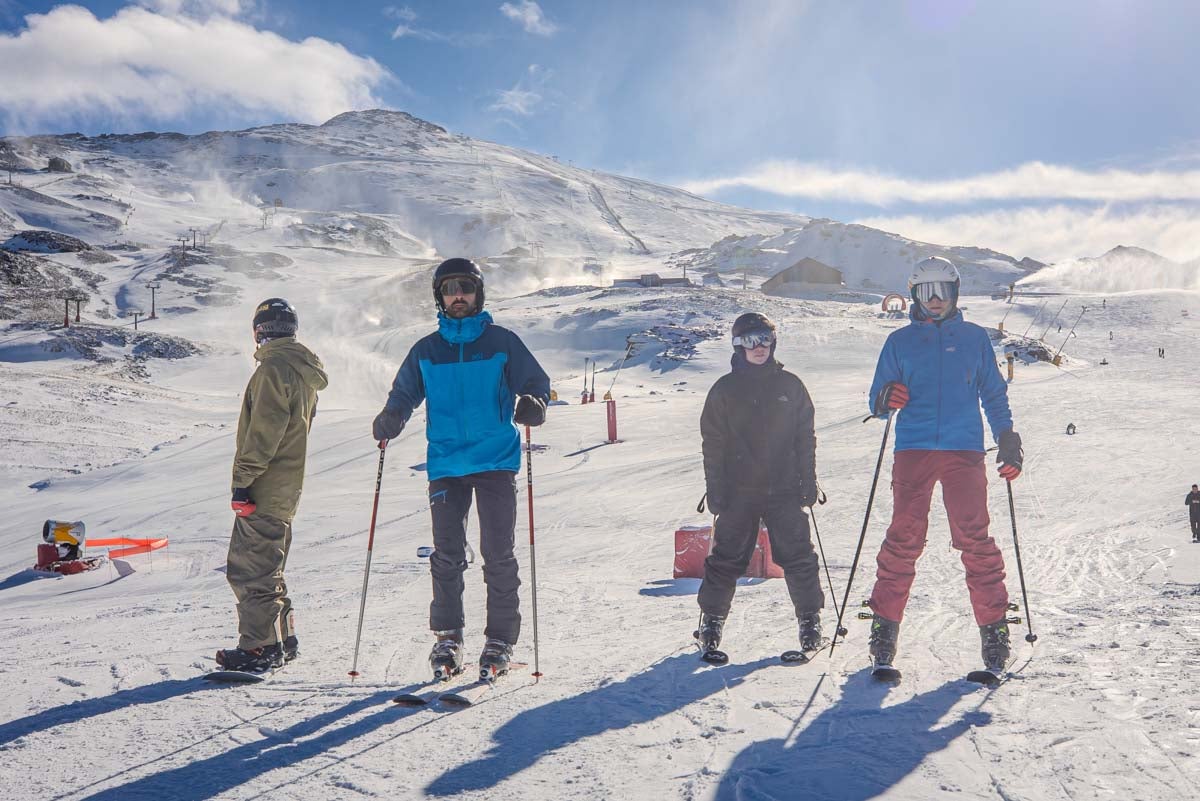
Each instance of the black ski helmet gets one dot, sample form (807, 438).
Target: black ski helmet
(274, 318)
(752, 321)
(460, 268)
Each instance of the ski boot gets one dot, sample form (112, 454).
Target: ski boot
(291, 648)
(994, 637)
(810, 632)
(493, 662)
(252, 660)
(446, 656)
(884, 635)
(708, 637)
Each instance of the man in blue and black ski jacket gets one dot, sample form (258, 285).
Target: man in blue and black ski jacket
(477, 379)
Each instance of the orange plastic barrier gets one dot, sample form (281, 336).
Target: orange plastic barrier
(131, 546)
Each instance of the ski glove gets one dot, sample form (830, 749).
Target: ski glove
(388, 425)
(530, 411)
(1009, 455)
(894, 395)
(808, 492)
(241, 503)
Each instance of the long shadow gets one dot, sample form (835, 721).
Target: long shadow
(666, 687)
(853, 751)
(206, 778)
(24, 577)
(91, 707)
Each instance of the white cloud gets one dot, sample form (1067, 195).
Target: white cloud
(523, 98)
(1059, 232)
(529, 15)
(196, 8)
(1032, 181)
(67, 65)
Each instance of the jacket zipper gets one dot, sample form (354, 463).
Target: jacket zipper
(937, 439)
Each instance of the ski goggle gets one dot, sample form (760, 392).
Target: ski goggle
(943, 290)
(457, 286)
(754, 339)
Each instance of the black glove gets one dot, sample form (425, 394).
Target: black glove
(388, 424)
(1009, 455)
(530, 411)
(716, 503)
(241, 503)
(808, 491)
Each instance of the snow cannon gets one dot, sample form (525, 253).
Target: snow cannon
(61, 550)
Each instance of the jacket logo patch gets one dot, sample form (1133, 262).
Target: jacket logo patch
(949, 349)
(783, 399)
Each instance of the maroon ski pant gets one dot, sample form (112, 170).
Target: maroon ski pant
(964, 491)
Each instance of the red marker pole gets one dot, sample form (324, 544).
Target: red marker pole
(362, 606)
(612, 419)
(537, 673)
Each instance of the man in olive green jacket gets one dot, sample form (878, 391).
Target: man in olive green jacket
(268, 474)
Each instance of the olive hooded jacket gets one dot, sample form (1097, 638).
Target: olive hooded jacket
(277, 413)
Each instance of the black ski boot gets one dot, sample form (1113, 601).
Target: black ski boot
(810, 632)
(494, 660)
(291, 648)
(446, 656)
(253, 660)
(884, 636)
(994, 637)
(708, 637)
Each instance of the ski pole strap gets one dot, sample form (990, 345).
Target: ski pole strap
(700, 506)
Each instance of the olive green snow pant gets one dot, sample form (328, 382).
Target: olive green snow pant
(258, 551)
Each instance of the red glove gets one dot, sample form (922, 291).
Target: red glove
(241, 503)
(1009, 472)
(894, 395)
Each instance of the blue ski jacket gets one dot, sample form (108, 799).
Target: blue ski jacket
(949, 369)
(469, 371)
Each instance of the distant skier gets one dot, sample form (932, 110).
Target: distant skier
(759, 465)
(1192, 501)
(268, 474)
(937, 370)
(478, 379)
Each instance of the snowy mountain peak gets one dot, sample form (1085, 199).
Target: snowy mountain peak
(376, 118)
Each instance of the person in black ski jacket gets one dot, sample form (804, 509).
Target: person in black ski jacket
(759, 465)
(1192, 501)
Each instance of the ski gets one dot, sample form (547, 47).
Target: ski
(803, 656)
(472, 693)
(715, 657)
(885, 673)
(986, 678)
(237, 677)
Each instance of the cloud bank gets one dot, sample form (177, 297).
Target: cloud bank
(529, 15)
(1032, 181)
(68, 66)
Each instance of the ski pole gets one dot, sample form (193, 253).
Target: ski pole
(1012, 513)
(887, 429)
(812, 514)
(537, 673)
(362, 606)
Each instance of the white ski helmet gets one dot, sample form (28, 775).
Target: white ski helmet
(935, 276)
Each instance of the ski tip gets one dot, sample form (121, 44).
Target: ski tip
(794, 657)
(410, 699)
(454, 699)
(984, 677)
(715, 657)
(233, 677)
(886, 673)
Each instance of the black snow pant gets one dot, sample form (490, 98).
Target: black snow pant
(791, 548)
(1195, 528)
(449, 504)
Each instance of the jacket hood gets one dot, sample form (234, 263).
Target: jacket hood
(468, 329)
(953, 319)
(298, 357)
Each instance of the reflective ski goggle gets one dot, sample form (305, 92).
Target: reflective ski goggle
(754, 339)
(943, 290)
(458, 286)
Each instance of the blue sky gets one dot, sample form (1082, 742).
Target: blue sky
(1042, 128)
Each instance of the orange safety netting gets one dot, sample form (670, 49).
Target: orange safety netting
(130, 546)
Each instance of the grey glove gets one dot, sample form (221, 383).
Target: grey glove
(388, 425)
(808, 491)
(530, 411)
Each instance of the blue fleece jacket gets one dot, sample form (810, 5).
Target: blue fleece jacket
(469, 372)
(949, 369)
